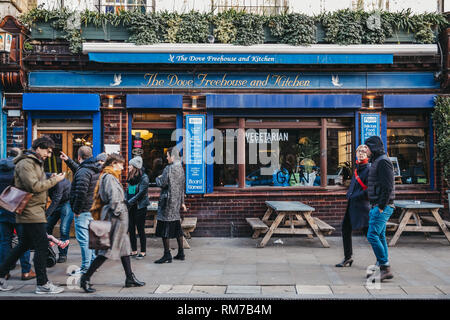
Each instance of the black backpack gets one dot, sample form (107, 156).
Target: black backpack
(51, 259)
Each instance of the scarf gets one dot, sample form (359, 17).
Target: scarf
(365, 161)
(98, 204)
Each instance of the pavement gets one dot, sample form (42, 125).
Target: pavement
(297, 268)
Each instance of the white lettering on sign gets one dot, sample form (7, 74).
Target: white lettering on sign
(370, 119)
(195, 120)
(266, 137)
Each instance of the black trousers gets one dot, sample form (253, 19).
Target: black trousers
(137, 221)
(347, 235)
(33, 236)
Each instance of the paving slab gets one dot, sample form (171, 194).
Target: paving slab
(445, 289)
(243, 289)
(169, 288)
(305, 290)
(147, 289)
(208, 289)
(277, 290)
(421, 290)
(350, 290)
(387, 290)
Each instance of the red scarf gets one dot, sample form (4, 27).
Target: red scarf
(365, 161)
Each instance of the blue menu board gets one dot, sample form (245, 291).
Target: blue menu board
(370, 125)
(195, 154)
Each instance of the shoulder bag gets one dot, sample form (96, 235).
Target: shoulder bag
(14, 200)
(99, 235)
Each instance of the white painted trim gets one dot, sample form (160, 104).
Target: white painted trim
(395, 49)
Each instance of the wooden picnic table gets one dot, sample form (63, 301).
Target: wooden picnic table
(292, 217)
(419, 211)
(188, 224)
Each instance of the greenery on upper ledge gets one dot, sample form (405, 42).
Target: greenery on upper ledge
(342, 27)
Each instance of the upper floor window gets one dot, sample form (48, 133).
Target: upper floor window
(114, 6)
(265, 7)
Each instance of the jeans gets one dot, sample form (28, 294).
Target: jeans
(377, 233)
(32, 236)
(6, 236)
(137, 220)
(82, 235)
(65, 213)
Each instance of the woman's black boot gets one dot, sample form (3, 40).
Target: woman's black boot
(180, 255)
(345, 263)
(86, 285)
(167, 257)
(133, 282)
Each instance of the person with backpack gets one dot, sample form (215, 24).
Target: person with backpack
(137, 202)
(29, 176)
(8, 219)
(357, 213)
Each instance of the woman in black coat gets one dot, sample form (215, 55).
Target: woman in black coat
(358, 207)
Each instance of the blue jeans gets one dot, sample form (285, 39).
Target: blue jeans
(377, 233)
(82, 235)
(6, 236)
(65, 213)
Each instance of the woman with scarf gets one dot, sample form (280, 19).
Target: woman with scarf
(137, 202)
(109, 205)
(172, 183)
(357, 213)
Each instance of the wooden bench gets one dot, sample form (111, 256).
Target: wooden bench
(324, 227)
(433, 220)
(257, 225)
(391, 226)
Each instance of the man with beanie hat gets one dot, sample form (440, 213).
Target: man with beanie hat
(381, 197)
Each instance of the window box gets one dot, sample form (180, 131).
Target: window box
(44, 30)
(110, 32)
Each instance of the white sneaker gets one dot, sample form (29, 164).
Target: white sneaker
(48, 288)
(4, 286)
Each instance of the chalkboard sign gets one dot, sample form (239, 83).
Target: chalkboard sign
(370, 126)
(195, 154)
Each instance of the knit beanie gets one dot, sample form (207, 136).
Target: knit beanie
(136, 162)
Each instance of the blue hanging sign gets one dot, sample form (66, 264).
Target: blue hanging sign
(195, 154)
(370, 126)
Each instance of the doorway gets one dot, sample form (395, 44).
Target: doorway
(67, 141)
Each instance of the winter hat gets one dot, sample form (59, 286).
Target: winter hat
(101, 157)
(136, 162)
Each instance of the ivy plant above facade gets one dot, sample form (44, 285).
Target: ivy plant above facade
(341, 27)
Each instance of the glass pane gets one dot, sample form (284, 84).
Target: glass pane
(409, 147)
(53, 164)
(271, 120)
(339, 156)
(226, 169)
(341, 121)
(407, 117)
(79, 140)
(282, 157)
(152, 145)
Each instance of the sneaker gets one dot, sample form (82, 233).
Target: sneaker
(61, 259)
(140, 256)
(49, 288)
(63, 244)
(4, 286)
(77, 272)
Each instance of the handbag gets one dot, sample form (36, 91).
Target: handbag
(14, 200)
(99, 235)
(51, 259)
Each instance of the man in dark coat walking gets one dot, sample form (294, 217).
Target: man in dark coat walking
(81, 198)
(357, 213)
(381, 196)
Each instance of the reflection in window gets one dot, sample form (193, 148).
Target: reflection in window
(226, 169)
(152, 146)
(339, 156)
(114, 6)
(410, 148)
(282, 157)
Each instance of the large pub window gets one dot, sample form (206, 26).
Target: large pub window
(408, 147)
(265, 7)
(114, 6)
(282, 152)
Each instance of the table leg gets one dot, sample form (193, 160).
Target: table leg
(315, 228)
(419, 223)
(406, 215)
(300, 218)
(272, 228)
(435, 213)
(267, 215)
(185, 243)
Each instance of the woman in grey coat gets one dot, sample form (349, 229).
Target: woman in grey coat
(109, 193)
(172, 183)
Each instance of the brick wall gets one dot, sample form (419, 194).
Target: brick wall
(223, 215)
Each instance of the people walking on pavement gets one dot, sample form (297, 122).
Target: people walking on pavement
(29, 176)
(73, 165)
(109, 202)
(137, 202)
(172, 184)
(358, 207)
(8, 219)
(381, 192)
(81, 198)
(60, 209)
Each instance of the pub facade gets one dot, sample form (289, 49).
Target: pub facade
(258, 123)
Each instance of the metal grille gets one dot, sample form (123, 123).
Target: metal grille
(114, 6)
(264, 7)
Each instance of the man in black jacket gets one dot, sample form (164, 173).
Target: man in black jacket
(81, 197)
(60, 209)
(381, 196)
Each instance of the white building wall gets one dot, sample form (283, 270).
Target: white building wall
(310, 7)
